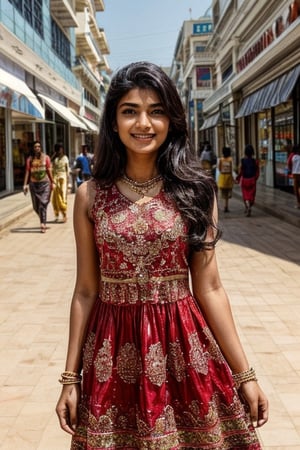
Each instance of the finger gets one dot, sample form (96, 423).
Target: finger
(64, 420)
(73, 417)
(263, 414)
(253, 406)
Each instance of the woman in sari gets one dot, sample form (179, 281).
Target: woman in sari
(39, 176)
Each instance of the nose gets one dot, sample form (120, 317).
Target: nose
(143, 120)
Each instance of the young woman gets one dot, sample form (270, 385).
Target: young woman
(247, 176)
(39, 176)
(60, 164)
(153, 361)
(225, 179)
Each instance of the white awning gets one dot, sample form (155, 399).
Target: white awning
(91, 125)
(14, 84)
(211, 121)
(64, 112)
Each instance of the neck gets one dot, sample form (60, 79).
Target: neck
(139, 177)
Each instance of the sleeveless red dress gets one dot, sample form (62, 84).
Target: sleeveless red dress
(153, 375)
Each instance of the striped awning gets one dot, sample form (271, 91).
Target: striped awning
(274, 93)
(211, 121)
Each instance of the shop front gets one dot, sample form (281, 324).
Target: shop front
(271, 115)
(19, 110)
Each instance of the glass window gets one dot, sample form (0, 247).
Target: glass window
(22, 145)
(60, 44)
(264, 128)
(203, 77)
(284, 140)
(32, 11)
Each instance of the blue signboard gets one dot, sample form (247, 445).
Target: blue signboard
(202, 28)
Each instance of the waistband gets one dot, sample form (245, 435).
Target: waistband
(144, 278)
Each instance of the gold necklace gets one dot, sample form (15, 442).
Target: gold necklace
(139, 187)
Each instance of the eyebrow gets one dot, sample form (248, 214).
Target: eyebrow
(136, 105)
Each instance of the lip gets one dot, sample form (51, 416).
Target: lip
(143, 136)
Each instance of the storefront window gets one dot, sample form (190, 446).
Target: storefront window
(2, 151)
(264, 127)
(284, 139)
(22, 145)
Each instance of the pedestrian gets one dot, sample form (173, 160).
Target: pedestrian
(61, 171)
(247, 177)
(38, 173)
(208, 159)
(294, 168)
(162, 365)
(225, 179)
(83, 165)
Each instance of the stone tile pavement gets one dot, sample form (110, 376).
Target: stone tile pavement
(259, 262)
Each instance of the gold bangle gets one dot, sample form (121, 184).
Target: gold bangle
(68, 374)
(68, 377)
(244, 377)
(62, 381)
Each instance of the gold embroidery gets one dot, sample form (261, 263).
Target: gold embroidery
(176, 362)
(137, 279)
(144, 243)
(213, 348)
(198, 358)
(103, 362)
(119, 217)
(221, 427)
(129, 364)
(140, 226)
(155, 363)
(88, 352)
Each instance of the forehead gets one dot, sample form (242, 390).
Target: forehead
(140, 96)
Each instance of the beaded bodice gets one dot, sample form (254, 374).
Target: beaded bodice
(142, 248)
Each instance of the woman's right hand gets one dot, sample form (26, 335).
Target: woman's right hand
(25, 189)
(66, 408)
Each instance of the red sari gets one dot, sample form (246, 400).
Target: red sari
(153, 376)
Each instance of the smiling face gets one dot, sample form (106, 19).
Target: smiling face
(141, 121)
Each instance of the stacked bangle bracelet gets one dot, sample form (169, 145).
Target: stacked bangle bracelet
(244, 377)
(70, 378)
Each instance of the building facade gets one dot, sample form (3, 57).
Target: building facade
(53, 72)
(255, 83)
(192, 70)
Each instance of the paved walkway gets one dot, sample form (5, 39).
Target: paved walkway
(259, 262)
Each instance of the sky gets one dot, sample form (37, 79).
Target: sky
(146, 30)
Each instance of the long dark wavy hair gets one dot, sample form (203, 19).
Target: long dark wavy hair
(191, 189)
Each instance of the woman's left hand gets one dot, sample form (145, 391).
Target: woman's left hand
(252, 394)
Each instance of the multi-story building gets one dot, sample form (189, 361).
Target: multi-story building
(255, 80)
(52, 79)
(192, 69)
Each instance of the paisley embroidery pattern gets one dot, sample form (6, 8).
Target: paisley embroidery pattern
(103, 362)
(155, 363)
(129, 364)
(198, 358)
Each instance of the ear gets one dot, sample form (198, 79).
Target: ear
(115, 128)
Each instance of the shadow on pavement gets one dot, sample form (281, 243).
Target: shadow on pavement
(26, 230)
(260, 232)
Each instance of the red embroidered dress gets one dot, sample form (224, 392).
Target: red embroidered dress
(153, 375)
